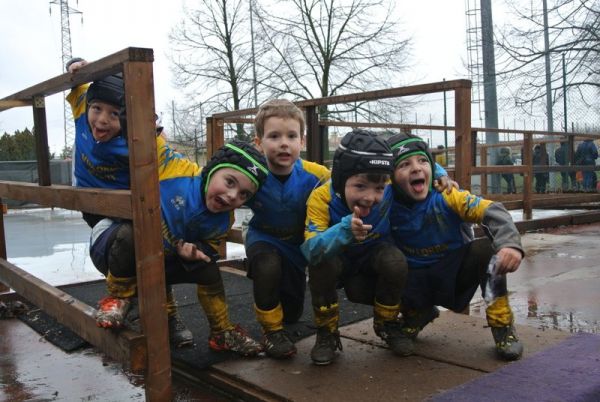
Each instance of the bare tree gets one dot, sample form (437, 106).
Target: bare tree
(212, 58)
(323, 48)
(574, 33)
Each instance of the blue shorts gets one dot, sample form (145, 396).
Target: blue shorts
(436, 285)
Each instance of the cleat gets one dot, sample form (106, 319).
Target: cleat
(179, 334)
(278, 345)
(508, 346)
(234, 340)
(326, 344)
(112, 311)
(414, 323)
(392, 332)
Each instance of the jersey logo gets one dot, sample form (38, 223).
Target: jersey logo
(178, 202)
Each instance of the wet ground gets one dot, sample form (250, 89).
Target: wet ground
(555, 288)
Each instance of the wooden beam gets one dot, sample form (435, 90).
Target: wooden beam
(125, 346)
(116, 203)
(100, 68)
(462, 118)
(41, 141)
(145, 202)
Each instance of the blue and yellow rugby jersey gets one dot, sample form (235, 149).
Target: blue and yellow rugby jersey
(429, 230)
(328, 225)
(96, 164)
(280, 209)
(184, 213)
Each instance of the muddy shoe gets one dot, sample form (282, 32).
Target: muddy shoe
(112, 311)
(508, 346)
(326, 344)
(392, 332)
(179, 334)
(278, 345)
(415, 322)
(235, 340)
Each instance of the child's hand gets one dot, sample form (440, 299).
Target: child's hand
(359, 230)
(74, 67)
(189, 252)
(445, 183)
(508, 260)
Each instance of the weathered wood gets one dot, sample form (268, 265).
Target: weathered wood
(116, 203)
(420, 89)
(100, 68)
(8, 104)
(527, 176)
(462, 118)
(41, 141)
(139, 90)
(314, 146)
(3, 287)
(235, 236)
(125, 346)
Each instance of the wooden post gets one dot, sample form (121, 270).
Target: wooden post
(314, 146)
(215, 136)
(139, 93)
(3, 287)
(41, 140)
(527, 176)
(462, 123)
(483, 162)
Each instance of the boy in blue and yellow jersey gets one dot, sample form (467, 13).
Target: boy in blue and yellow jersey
(347, 244)
(196, 215)
(446, 265)
(275, 262)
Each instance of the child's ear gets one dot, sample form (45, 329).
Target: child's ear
(258, 143)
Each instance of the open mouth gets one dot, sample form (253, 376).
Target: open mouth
(418, 185)
(363, 210)
(221, 203)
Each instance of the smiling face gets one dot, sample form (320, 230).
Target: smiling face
(104, 120)
(281, 144)
(413, 176)
(364, 193)
(228, 189)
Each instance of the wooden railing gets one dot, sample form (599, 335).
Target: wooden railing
(148, 351)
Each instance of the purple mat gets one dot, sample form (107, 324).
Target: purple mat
(566, 372)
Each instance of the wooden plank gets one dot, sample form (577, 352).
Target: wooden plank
(116, 203)
(462, 118)
(8, 104)
(527, 176)
(314, 148)
(145, 201)
(125, 346)
(3, 287)
(41, 141)
(100, 68)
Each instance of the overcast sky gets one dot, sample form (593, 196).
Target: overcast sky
(31, 45)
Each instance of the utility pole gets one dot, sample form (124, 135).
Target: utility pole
(250, 3)
(65, 34)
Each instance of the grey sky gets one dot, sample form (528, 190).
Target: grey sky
(31, 46)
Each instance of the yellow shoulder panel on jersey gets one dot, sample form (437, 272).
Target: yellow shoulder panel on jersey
(469, 207)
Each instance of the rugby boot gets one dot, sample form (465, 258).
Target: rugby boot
(179, 334)
(326, 344)
(416, 320)
(278, 345)
(392, 333)
(112, 312)
(235, 340)
(508, 346)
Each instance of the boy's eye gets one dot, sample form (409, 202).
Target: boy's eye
(229, 181)
(246, 195)
(115, 114)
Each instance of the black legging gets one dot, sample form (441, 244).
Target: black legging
(383, 279)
